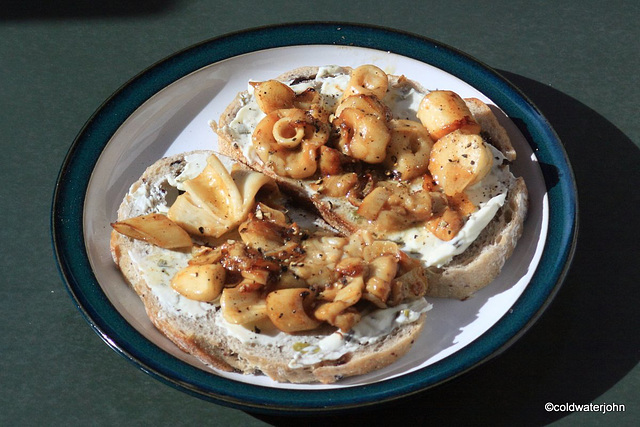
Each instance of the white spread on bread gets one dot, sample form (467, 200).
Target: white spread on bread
(158, 266)
(330, 81)
(404, 100)
(311, 350)
(489, 195)
(195, 163)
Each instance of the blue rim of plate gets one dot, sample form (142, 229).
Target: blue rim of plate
(75, 269)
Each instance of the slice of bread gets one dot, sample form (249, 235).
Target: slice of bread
(466, 272)
(200, 329)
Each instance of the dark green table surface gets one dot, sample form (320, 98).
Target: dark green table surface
(578, 60)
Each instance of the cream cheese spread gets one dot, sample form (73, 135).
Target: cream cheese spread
(194, 164)
(330, 82)
(157, 266)
(372, 328)
(489, 194)
(312, 349)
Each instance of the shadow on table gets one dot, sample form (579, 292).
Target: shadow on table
(40, 9)
(587, 340)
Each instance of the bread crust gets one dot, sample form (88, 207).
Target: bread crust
(468, 272)
(206, 338)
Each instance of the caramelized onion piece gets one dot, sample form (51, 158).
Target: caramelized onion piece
(287, 309)
(200, 282)
(368, 80)
(273, 95)
(156, 229)
(444, 111)
(362, 136)
(459, 160)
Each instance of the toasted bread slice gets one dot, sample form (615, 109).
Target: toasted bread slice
(466, 272)
(200, 329)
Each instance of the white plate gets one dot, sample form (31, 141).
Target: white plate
(176, 119)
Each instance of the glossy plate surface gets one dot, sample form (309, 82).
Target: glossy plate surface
(167, 109)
